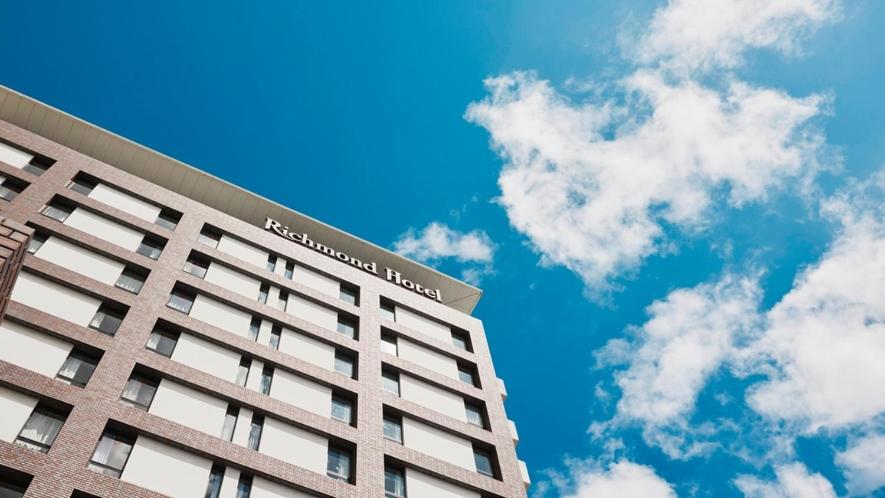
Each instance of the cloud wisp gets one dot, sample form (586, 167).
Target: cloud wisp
(438, 242)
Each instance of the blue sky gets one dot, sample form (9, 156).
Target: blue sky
(618, 160)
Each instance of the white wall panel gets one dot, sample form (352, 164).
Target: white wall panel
(242, 250)
(13, 156)
(300, 392)
(207, 357)
(293, 445)
(232, 280)
(316, 281)
(104, 229)
(312, 312)
(438, 444)
(427, 358)
(189, 407)
(55, 299)
(81, 260)
(229, 483)
(31, 349)
(167, 470)
(221, 315)
(426, 326)
(423, 486)
(15, 408)
(307, 349)
(428, 396)
(262, 488)
(125, 202)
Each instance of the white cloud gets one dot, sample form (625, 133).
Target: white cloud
(793, 481)
(687, 338)
(622, 479)
(687, 35)
(437, 242)
(864, 465)
(592, 184)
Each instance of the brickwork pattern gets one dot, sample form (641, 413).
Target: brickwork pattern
(14, 239)
(63, 469)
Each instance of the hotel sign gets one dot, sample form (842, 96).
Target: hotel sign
(390, 275)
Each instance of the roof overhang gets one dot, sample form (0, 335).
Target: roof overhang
(143, 162)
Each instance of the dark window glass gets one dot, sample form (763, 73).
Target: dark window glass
(196, 266)
(390, 381)
(266, 380)
(254, 328)
(346, 327)
(131, 281)
(162, 342)
(82, 185)
(262, 293)
(151, 247)
(388, 311)
(181, 301)
(13, 484)
(338, 465)
(474, 415)
(342, 409)
(344, 364)
(244, 486)
(77, 369)
(216, 475)
(393, 428)
(243, 371)
(290, 269)
(139, 391)
(9, 190)
(106, 320)
(466, 375)
(230, 423)
(41, 429)
(255, 432)
(167, 219)
(459, 339)
(388, 344)
(394, 483)
(210, 237)
(283, 300)
(37, 166)
(483, 462)
(275, 332)
(56, 211)
(348, 295)
(37, 241)
(271, 262)
(111, 454)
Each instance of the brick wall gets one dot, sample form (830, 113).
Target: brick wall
(14, 239)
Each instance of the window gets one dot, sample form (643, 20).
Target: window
(474, 415)
(167, 219)
(290, 269)
(41, 429)
(243, 371)
(388, 311)
(461, 340)
(230, 422)
(346, 326)
(348, 294)
(388, 344)
(266, 380)
(210, 237)
(106, 320)
(37, 241)
(244, 486)
(255, 431)
(13, 483)
(38, 166)
(483, 461)
(344, 364)
(283, 300)
(216, 475)
(181, 300)
(394, 483)
(82, 185)
(196, 266)
(56, 211)
(275, 332)
(77, 368)
(342, 409)
(10, 188)
(150, 247)
(131, 280)
(111, 454)
(390, 381)
(271, 262)
(393, 428)
(139, 391)
(162, 342)
(466, 374)
(254, 328)
(338, 465)
(262, 293)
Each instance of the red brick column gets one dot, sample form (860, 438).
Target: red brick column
(14, 239)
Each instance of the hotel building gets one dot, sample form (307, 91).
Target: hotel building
(165, 333)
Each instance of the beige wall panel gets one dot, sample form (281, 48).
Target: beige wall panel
(438, 444)
(427, 358)
(426, 326)
(221, 315)
(232, 280)
(242, 250)
(312, 312)
(423, 486)
(167, 470)
(189, 407)
(300, 392)
(15, 408)
(125, 202)
(55, 299)
(428, 396)
(31, 349)
(293, 445)
(80, 260)
(207, 357)
(104, 229)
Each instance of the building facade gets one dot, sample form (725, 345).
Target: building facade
(170, 334)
